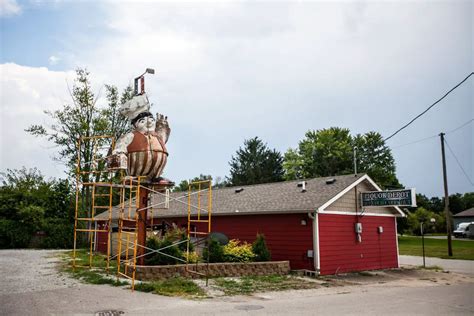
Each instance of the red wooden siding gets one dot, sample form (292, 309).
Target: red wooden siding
(286, 238)
(101, 238)
(340, 251)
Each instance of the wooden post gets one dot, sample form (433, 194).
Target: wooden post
(142, 221)
(446, 198)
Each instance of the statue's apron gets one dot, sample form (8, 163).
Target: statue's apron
(147, 155)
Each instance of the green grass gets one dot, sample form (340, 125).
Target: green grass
(172, 287)
(411, 246)
(252, 284)
(96, 275)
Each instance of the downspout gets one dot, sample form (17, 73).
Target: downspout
(316, 261)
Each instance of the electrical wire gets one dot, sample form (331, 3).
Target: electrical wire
(459, 164)
(415, 142)
(445, 95)
(470, 121)
(433, 136)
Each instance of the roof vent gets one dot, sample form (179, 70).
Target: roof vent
(239, 190)
(330, 181)
(302, 185)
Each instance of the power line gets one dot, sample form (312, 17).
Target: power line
(433, 136)
(446, 94)
(415, 142)
(470, 121)
(459, 164)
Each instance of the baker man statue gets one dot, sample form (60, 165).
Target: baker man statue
(142, 151)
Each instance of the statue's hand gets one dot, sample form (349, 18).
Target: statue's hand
(162, 127)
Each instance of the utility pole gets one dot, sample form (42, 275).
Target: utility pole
(446, 198)
(355, 160)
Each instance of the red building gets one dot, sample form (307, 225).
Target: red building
(316, 224)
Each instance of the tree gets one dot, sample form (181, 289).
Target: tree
(375, 158)
(84, 118)
(325, 152)
(255, 163)
(329, 152)
(29, 204)
(422, 215)
(183, 186)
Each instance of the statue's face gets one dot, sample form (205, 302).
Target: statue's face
(145, 124)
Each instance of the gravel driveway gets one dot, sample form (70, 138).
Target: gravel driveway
(29, 270)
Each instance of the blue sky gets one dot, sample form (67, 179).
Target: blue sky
(228, 71)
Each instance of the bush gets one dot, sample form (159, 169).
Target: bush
(172, 253)
(235, 251)
(13, 234)
(58, 234)
(216, 251)
(259, 248)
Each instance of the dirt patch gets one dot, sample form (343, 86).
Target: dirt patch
(407, 277)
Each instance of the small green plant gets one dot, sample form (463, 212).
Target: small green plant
(251, 284)
(215, 253)
(193, 256)
(94, 275)
(260, 249)
(177, 286)
(173, 246)
(236, 251)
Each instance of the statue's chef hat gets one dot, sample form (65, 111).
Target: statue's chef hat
(136, 105)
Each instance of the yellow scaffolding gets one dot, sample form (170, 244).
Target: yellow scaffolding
(98, 190)
(200, 214)
(128, 228)
(199, 206)
(95, 191)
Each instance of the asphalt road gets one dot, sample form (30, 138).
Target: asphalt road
(30, 287)
(460, 266)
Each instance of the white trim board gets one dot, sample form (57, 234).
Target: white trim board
(322, 208)
(358, 214)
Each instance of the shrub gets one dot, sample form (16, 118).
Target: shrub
(58, 234)
(216, 251)
(172, 253)
(259, 248)
(235, 251)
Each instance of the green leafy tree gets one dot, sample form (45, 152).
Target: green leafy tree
(184, 184)
(84, 118)
(375, 158)
(325, 152)
(255, 163)
(29, 204)
(329, 152)
(422, 215)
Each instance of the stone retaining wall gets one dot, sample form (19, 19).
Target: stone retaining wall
(147, 273)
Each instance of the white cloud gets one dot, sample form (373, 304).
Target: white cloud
(53, 60)
(229, 71)
(9, 8)
(25, 93)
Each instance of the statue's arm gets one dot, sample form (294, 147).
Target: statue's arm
(122, 144)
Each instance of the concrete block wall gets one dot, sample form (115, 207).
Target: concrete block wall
(227, 269)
